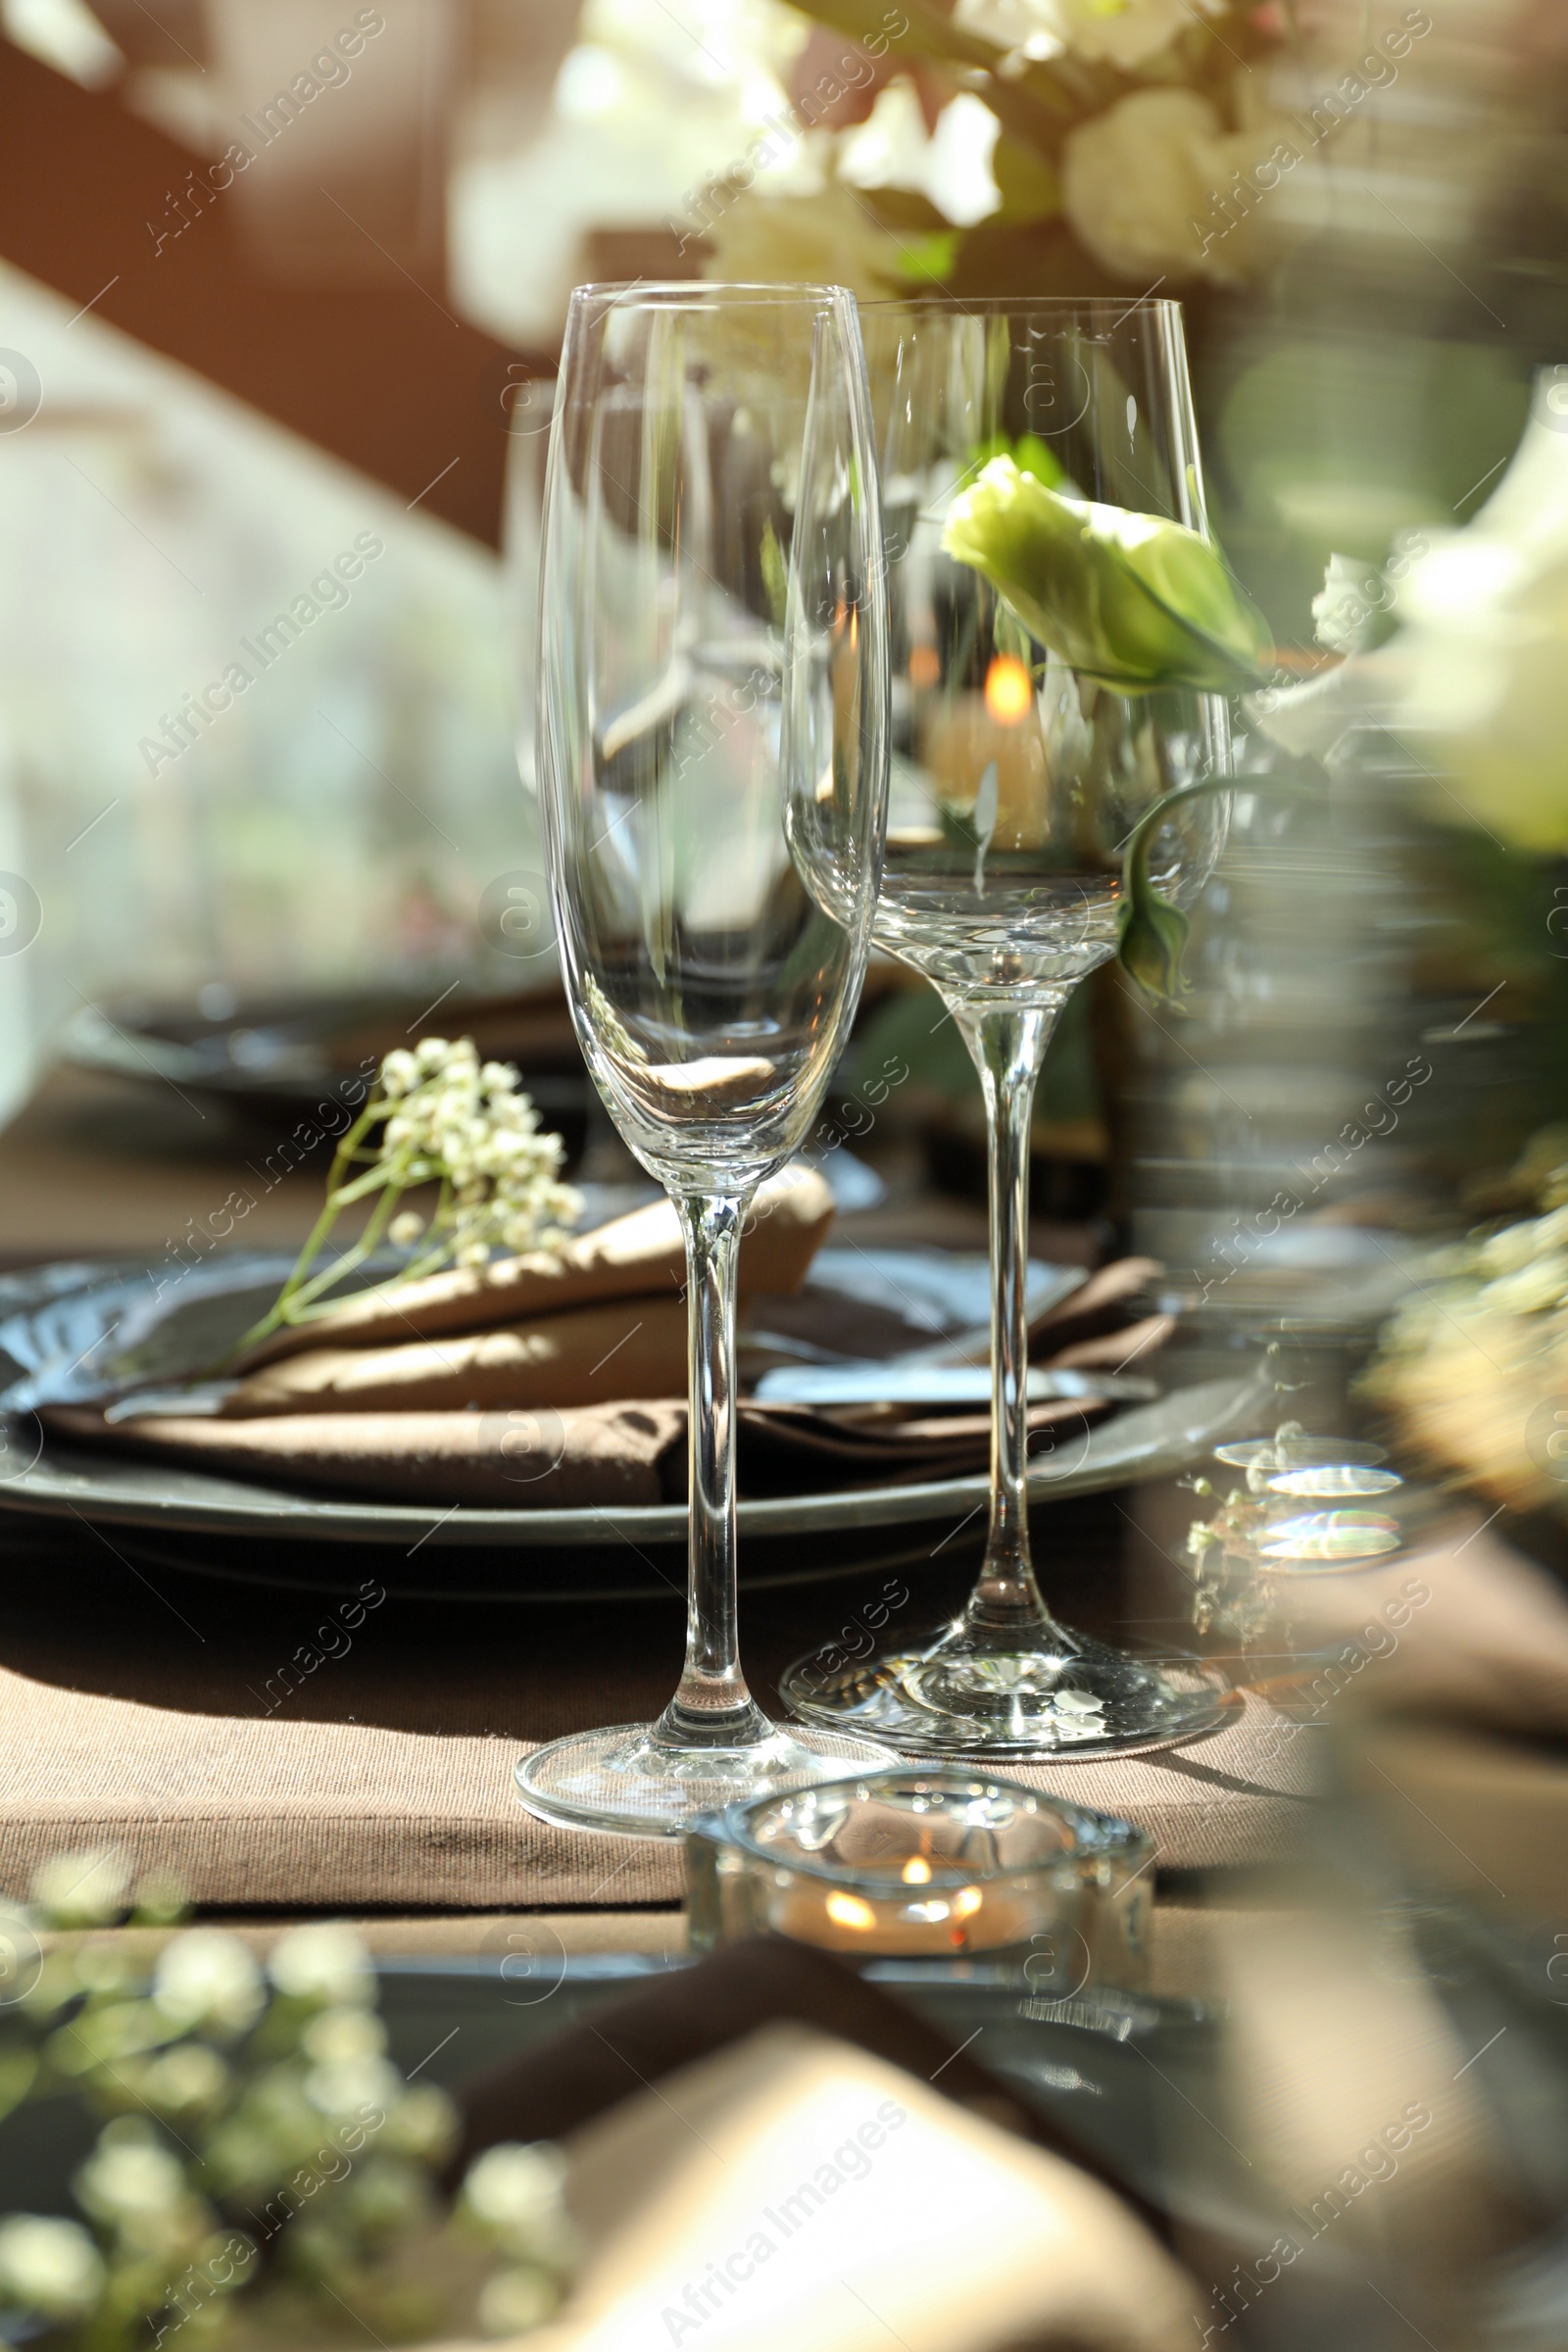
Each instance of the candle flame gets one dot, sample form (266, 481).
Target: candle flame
(1010, 690)
(916, 1872)
(847, 1911)
(966, 1903)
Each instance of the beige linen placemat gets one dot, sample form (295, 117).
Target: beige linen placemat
(171, 1713)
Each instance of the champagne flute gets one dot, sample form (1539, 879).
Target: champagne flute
(713, 766)
(1015, 780)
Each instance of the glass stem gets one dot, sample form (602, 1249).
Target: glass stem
(712, 1707)
(1009, 1045)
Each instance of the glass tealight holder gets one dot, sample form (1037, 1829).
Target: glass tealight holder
(937, 1870)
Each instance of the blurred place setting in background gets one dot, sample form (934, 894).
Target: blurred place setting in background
(784, 1174)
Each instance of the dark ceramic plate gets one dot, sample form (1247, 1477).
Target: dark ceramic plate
(267, 1063)
(71, 1332)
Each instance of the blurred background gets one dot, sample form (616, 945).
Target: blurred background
(280, 283)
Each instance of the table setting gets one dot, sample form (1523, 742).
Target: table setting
(781, 712)
(707, 1605)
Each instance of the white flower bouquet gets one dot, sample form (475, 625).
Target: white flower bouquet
(1126, 139)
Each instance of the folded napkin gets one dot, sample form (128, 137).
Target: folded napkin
(988, 2215)
(634, 1256)
(795, 2190)
(627, 1347)
(516, 1462)
(568, 2078)
(522, 1458)
(581, 1401)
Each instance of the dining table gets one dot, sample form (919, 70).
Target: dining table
(340, 1744)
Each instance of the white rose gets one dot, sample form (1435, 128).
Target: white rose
(830, 239)
(1115, 33)
(1139, 184)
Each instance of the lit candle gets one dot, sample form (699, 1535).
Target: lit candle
(939, 1865)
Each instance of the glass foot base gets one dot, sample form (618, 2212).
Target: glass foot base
(627, 1779)
(949, 1697)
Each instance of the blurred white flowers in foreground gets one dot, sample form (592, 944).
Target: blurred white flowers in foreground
(255, 2144)
(1116, 32)
(1475, 682)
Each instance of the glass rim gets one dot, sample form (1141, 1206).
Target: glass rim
(1013, 306)
(695, 293)
(1093, 1833)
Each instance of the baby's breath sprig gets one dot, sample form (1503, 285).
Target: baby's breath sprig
(437, 1114)
(262, 2171)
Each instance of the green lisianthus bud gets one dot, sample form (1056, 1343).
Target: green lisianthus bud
(1132, 601)
(1150, 934)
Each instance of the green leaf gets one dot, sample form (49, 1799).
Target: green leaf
(1030, 189)
(774, 579)
(1134, 602)
(928, 260)
(1028, 452)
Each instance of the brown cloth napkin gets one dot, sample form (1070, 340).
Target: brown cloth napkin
(796, 2190)
(521, 1442)
(635, 1256)
(582, 2070)
(539, 1459)
(629, 1348)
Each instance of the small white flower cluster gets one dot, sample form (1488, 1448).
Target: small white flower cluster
(463, 1123)
(514, 2200)
(48, 2268)
(246, 2107)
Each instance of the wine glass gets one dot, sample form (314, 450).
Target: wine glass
(713, 717)
(1015, 781)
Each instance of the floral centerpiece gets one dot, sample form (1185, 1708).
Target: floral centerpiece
(1129, 142)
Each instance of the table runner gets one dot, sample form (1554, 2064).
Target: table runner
(177, 1716)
